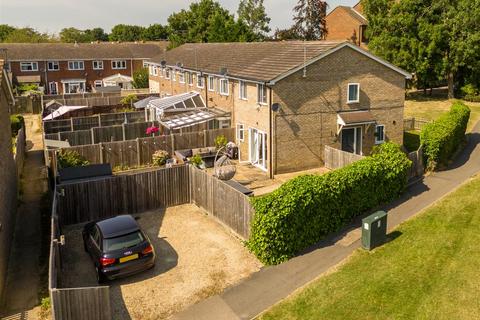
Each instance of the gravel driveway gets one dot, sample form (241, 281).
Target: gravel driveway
(196, 258)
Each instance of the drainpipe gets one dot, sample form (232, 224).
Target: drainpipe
(270, 140)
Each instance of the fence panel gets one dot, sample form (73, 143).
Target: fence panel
(107, 134)
(81, 303)
(20, 151)
(55, 126)
(229, 133)
(123, 194)
(189, 140)
(85, 123)
(76, 138)
(121, 153)
(89, 152)
(136, 130)
(410, 124)
(418, 166)
(336, 159)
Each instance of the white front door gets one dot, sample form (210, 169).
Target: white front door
(257, 148)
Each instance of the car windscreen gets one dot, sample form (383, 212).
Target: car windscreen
(123, 242)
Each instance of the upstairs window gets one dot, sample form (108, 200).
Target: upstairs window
(155, 71)
(353, 93)
(240, 132)
(261, 94)
(97, 65)
(76, 65)
(190, 78)
(242, 90)
(119, 64)
(200, 81)
(224, 87)
(53, 66)
(181, 77)
(211, 83)
(167, 73)
(28, 66)
(379, 134)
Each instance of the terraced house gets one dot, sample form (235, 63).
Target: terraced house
(74, 68)
(288, 100)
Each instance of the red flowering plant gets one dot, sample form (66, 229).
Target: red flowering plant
(152, 130)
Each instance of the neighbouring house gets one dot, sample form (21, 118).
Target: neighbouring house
(8, 176)
(63, 68)
(287, 100)
(347, 23)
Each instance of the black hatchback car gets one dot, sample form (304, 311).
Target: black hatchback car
(118, 247)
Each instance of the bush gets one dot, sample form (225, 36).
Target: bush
(129, 100)
(220, 141)
(160, 157)
(197, 161)
(67, 159)
(411, 140)
(442, 138)
(472, 98)
(469, 90)
(306, 209)
(16, 122)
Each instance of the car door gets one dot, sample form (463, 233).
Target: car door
(94, 241)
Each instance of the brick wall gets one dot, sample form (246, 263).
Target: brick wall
(308, 116)
(342, 26)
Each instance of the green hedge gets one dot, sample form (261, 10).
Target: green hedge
(442, 138)
(304, 210)
(16, 122)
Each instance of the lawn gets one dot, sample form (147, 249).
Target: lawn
(430, 108)
(430, 271)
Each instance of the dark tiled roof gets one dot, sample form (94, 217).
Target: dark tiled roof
(261, 61)
(64, 51)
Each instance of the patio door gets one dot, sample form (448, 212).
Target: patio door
(352, 140)
(257, 148)
(53, 87)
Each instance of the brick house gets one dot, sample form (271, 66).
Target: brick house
(72, 68)
(289, 99)
(347, 23)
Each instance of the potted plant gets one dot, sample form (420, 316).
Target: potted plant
(160, 157)
(197, 161)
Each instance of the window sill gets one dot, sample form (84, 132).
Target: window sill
(224, 94)
(353, 102)
(379, 142)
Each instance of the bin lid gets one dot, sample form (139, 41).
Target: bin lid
(374, 217)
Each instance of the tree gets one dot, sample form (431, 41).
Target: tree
(155, 32)
(126, 33)
(140, 78)
(28, 35)
(286, 34)
(72, 35)
(5, 30)
(252, 13)
(97, 34)
(310, 19)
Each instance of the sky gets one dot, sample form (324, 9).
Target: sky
(53, 15)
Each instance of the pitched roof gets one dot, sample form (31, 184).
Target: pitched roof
(352, 13)
(257, 61)
(84, 51)
(260, 61)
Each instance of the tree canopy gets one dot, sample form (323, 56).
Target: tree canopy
(252, 13)
(310, 19)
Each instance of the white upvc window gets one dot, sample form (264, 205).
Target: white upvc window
(379, 134)
(155, 71)
(353, 94)
(53, 66)
(242, 90)
(119, 64)
(224, 87)
(167, 73)
(97, 64)
(28, 66)
(98, 83)
(261, 94)
(76, 65)
(173, 75)
(240, 132)
(211, 83)
(200, 81)
(181, 77)
(145, 63)
(190, 78)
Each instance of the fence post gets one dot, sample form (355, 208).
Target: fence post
(100, 147)
(138, 153)
(173, 142)
(205, 138)
(93, 136)
(99, 120)
(123, 131)
(59, 137)
(71, 124)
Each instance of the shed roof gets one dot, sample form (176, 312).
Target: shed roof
(356, 117)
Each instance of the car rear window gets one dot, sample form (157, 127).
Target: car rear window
(123, 242)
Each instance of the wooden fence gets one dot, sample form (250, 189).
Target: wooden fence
(411, 124)
(90, 99)
(72, 303)
(418, 165)
(138, 152)
(20, 151)
(220, 200)
(123, 194)
(27, 104)
(87, 123)
(336, 159)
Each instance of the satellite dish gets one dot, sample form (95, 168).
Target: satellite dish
(223, 71)
(163, 63)
(275, 107)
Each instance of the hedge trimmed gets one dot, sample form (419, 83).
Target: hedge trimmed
(442, 138)
(304, 210)
(16, 122)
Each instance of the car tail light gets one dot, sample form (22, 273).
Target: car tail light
(106, 261)
(147, 250)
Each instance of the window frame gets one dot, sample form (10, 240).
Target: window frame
(240, 132)
(264, 90)
(377, 141)
(181, 77)
(221, 82)
(54, 63)
(31, 64)
(242, 84)
(79, 62)
(99, 63)
(202, 80)
(116, 62)
(167, 73)
(98, 82)
(357, 100)
(190, 79)
(211, 83)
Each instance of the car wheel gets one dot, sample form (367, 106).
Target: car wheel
(100, 277)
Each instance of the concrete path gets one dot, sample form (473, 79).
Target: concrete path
(23, 278)
(272, 284)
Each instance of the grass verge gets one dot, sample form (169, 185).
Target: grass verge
(429, 272)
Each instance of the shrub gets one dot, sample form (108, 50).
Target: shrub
(160, 157)
(304, 210)
(16, 122)
(442, 138)
(469, 90)
(197, 161)
(67, 159)
(220, 141)
(129, 100)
